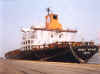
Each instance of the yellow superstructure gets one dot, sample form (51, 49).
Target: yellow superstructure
(52, 22)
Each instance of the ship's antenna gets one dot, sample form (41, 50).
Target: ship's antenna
(48, 10)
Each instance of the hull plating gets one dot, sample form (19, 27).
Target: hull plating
(79, 54)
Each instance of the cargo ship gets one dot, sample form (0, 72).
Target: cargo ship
(53, 43)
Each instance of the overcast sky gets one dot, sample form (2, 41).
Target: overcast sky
(84, 15)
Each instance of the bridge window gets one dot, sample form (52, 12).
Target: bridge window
(54, 16)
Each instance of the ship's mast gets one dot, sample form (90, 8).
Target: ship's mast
(48, 10)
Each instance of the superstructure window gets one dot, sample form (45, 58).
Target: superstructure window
(51, 36)
(26, 48)
(55, 16)
(28, 41)
(24, 42)
(60, 36)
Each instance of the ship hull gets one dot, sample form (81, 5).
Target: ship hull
(79, 54)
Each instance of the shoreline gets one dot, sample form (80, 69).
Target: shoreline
(43, 67)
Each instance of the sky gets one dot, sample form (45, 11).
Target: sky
(83, 15)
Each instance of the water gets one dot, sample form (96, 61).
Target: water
(95, 59)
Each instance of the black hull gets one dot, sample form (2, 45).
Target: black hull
(79, 54)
